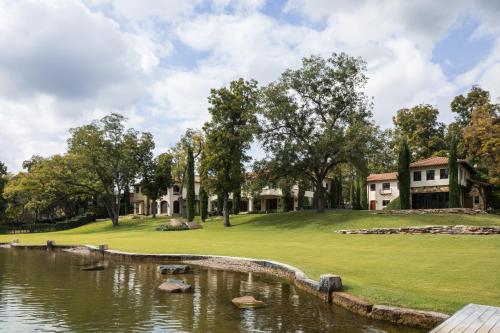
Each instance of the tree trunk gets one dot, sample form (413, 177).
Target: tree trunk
(320, 196)
(226, 210)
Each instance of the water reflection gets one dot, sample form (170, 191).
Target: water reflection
(47, 291)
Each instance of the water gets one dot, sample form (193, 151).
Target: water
(45, 291)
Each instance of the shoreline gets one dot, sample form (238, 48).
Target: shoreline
(397, 315)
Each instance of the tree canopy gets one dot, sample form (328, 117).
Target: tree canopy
(310, 117)
(228, 137)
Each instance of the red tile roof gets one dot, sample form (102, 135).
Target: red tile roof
(375, 177)
(431, 161)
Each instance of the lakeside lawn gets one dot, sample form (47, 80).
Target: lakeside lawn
(431, 272)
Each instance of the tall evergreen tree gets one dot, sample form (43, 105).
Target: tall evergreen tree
(190, 194)
(333, 193)
(236, 202)
(203, 203)
(454, 199)
(404, 174)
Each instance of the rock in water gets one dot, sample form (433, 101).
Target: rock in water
(92, 268)
(174, 269)
(246, 302)
(175, 286)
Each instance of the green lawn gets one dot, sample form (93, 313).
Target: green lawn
(433, 272)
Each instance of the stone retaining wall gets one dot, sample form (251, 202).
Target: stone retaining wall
(468, 211)
(438, 229)
(401, 316)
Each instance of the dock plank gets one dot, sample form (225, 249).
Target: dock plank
(472, 318)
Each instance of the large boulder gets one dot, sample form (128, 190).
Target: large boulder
(246, 302)
(176, 223)
(175, 286)
(193, 225)
(174, 269)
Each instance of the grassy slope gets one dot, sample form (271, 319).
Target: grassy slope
(434, 272)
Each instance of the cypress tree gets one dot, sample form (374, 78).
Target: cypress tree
(404, 175)
(203, 203)
(190, 194)
(454, 199)
(287, 199)
(340, 200)
(236, 202)
(220, 203)
(301, 197)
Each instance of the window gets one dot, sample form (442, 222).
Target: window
(443, 173)
(137, 189)
(385, 202)
(417, 176)
(176, 189)
(372, 187)
(386, 186)
(430, 175)
(476, 199)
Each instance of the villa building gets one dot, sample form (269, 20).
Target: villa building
(429, 183)
(269, 200)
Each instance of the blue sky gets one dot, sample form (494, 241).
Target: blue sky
(66, 62)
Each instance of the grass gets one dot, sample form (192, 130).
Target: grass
(432, 272)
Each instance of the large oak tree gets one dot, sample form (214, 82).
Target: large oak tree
(312, 117)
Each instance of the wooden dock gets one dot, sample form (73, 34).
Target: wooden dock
(473, 318)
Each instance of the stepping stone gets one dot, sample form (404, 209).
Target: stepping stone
(92, 268)
(247, 302)
(175, 286)
(174, 269)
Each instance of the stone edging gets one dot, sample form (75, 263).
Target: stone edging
(468, 211)
(397, 315)
(437, 229)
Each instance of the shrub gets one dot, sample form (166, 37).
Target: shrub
(394, 204)
(168, 227)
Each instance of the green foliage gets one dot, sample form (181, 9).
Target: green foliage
(404, 161)
(191, 139)
(156, 177)
(168, 227)
(420, 128)
(395, 204)
(203, 203)
(111, 156)
(314, 118)
(464, 105)
(228, 137)
(3, 181)
(190, 192)
(454, 199)
(236, 201)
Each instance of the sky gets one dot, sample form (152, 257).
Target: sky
(64, 63)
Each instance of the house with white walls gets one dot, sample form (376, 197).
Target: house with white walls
(269, 199)
(429, 186)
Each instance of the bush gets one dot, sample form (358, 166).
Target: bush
(74, 222)
(168, 227)
(394, 204)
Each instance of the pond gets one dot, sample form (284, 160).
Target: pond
(45, 291)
